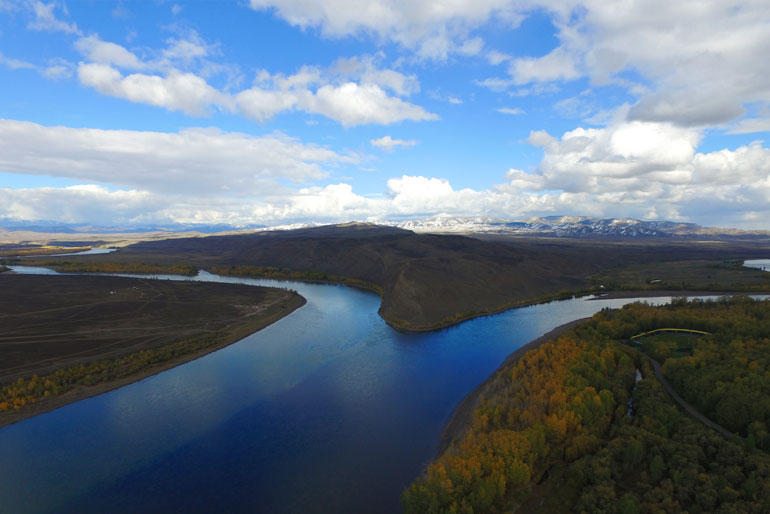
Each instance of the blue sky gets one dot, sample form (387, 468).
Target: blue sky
(283, 111)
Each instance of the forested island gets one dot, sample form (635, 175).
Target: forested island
(569, 427)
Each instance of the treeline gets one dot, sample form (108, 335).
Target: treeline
(41, 250)
(562, 410)
(26, 391)
(115, 267)
(285, 274)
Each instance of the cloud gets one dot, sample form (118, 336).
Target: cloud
(367, 69)
(514, 111)
(646, 169)
(353, 91)
(97, 51)
(556, 65)
(349, 103)
(57, 68)
(78, 204)
(432, 30)
(46, 20)
(262, 105)
(699, 72)
(331, 93)
(624, 156)
(16, 64)
(176, 91)
(188, 48)
(205, 162)
(58, 71)
(750, 126)
(495, 57)
(725, 188)
(354, 104)
(388, 144)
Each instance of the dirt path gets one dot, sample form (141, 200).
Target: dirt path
(692, 411)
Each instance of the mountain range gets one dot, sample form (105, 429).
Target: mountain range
(574, 226)
(548, 226)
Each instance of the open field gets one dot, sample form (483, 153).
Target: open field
(50, 323)
(703, 275)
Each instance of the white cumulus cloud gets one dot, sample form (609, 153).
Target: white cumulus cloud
(433, 30)
(176, 91)
(352, 91)
(193, 161)
(354, 104)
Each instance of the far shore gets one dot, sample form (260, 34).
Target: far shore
(83, 392)
(659, 293)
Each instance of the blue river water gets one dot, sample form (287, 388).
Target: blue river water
(327, 410)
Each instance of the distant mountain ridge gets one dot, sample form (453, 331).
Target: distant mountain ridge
(574, 227)
(547, 226)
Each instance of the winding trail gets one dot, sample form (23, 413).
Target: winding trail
(686, 406)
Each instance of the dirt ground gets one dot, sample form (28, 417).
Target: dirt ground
(53, 322)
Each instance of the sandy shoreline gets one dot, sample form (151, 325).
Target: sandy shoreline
(82, 392)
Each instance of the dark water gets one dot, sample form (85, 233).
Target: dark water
(328, 410)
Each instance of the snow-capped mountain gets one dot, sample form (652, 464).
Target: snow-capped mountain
(571, 226)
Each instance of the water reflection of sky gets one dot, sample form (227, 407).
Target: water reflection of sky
(763, 264)
(327, 410)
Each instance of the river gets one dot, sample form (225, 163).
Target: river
(328, 410)
(763, 264)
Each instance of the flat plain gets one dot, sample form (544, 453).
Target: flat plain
(50, 323)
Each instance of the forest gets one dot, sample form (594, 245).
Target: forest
(568, 428)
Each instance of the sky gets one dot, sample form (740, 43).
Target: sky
(270, 112)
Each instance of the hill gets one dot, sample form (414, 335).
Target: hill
(426, 280)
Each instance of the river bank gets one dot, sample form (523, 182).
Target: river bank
(112, 332)
(462, 416)
(658, 293)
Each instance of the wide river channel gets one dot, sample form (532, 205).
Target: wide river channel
(328, 410)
